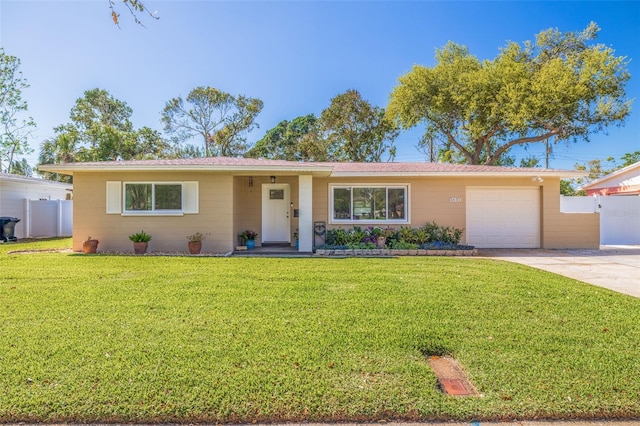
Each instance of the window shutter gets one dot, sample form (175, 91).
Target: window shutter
(114, 197)
(190, 197)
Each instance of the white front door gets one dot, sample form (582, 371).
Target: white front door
(276, 212)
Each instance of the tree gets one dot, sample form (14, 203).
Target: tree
(22, 168)
(567, 189)
(559, 86)
(596, 169)
(630, 158)
(358, 131)
(101, 130)
(289, 140)
(135, 7)
(222, 120)
(15, 130)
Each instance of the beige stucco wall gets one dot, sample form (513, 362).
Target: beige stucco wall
(566, 230)
(228, 205)
(169, 232)
(431, 201)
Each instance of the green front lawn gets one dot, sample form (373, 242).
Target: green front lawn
(191, 339)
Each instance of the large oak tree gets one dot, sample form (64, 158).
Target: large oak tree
(561, 86)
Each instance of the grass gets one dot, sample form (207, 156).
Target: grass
(188, 339)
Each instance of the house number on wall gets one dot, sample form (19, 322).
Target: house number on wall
(455, 200)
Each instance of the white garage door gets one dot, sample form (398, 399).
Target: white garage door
(503, 217)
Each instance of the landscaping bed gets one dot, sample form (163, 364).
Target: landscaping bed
(394, 252)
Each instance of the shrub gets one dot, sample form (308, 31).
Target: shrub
(430, 236)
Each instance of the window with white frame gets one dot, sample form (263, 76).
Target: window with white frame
(369, 203)
(152, 198)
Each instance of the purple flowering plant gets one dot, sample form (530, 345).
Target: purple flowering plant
(248, 234)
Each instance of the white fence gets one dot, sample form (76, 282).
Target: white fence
(619, 216)
(48, 218)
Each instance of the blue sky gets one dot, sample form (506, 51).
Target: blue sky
(294, 55)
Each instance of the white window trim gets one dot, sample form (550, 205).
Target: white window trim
(407, 209)
(153, 194)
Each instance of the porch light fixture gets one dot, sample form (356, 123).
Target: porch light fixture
(250, 181)
(537, 179)
(272, 179)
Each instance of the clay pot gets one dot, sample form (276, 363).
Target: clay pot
(90, 246)
(195, 247)
(140, 248)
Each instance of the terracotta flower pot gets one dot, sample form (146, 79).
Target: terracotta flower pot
(380, 241)
(195, 247)
(90, 246)
(140, 248)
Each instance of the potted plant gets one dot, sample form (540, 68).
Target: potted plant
(195, 242)
(140, 242)
(296, 236)
(249, 237)
(90, 245)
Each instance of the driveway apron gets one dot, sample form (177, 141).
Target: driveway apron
(614, 267)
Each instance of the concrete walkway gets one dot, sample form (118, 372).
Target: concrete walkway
(614, 267)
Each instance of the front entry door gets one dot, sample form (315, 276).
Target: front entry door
(276, 221)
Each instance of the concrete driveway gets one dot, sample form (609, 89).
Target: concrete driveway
(614, 267)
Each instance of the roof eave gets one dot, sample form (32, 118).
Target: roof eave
(594, 184)
(69, 169)
(561, 174)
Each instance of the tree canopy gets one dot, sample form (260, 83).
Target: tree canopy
(14, 127)
(101, 130)
(560, 86)
(349, 129)
(294, 140)
(357, 130)
(597, 168)
(221, 119)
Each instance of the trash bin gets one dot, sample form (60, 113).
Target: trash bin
(7, 228)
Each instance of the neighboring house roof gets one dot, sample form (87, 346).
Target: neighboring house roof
(6, 177)
(624, 181)
(345, 169)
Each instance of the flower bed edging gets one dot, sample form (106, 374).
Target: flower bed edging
(389, 252)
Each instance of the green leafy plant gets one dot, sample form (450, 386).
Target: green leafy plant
(248, 235)
(403, 245)
(407, 235)
(140, 237)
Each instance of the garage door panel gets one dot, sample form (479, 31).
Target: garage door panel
(503, 217)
